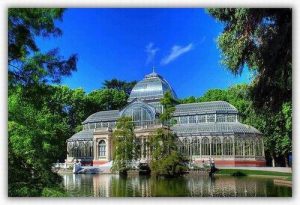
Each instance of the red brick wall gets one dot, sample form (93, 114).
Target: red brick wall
(97, 162)
(238, 163)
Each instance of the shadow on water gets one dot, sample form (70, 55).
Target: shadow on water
(106, 185)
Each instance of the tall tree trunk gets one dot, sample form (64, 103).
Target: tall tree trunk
(286, 160)
(273, 160)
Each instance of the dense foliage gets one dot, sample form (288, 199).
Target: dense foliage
(41, 116)
(165, 157)
(126, 149)
(34, 130)
(27, 64)
(168, 104)
(119, 85)
(262, 40)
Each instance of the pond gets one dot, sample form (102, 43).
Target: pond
(109, 185)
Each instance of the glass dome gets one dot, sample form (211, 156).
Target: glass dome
(141, 113)
(151, 88)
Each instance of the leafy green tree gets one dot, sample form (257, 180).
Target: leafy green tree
(35, 141)
(36, 132)
(165, 156)
(190, 99)
(168, 103)
(70, 104)
(262, 40)
(106, 99)
(213, 95)
(125, 145)
(27, 65)
(119, 85)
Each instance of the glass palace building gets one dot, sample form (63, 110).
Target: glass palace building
(205, 130)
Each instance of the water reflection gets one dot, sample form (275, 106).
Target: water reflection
(190, 186)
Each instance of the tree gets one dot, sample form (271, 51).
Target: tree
(27, 65)
(262, 40)
(106, 99)
(190, 99)
(165, 156)
(168, 103)
(35, 141)
(125, 145)
(119, 85)
(36, 133)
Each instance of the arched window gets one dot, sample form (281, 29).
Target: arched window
(70, 149)
(252, 147)
(102, 148)
(239, 147)
(216, 146)
(258, 147)
(88, 148)
(81, 149)
(140, 113)
(186, 146)
(196, 146)
(205, 149)
(76, 149)
(91, 149)
(227, 146)
(247, 147)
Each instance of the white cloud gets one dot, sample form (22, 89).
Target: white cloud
(176, 51)
(151, 52)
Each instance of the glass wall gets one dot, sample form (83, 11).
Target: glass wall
(219, 146)
(205, 118)
(141, 114)
(80, 149)
(216, 146)
(227, 146)
(205, 146)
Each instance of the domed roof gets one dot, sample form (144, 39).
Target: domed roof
(152, 87)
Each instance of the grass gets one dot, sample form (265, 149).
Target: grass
(289, 178)
(242, 172)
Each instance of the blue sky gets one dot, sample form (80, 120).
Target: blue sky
(126, 43)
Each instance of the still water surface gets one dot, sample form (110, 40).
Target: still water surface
(107, 185)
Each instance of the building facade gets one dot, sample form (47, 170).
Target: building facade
(205, 130)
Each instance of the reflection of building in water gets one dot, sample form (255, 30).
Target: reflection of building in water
(78, 183)
(195, 186)
(102, 184)
(72, 181)
(142, 184)
(114, 185)
(204, 130)
(226, 186)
